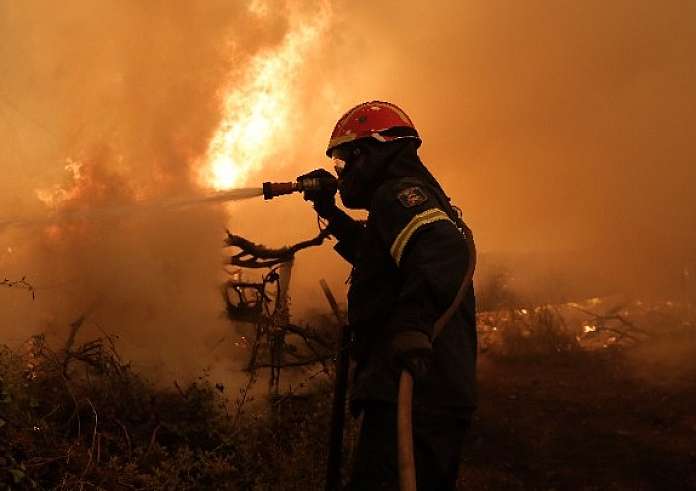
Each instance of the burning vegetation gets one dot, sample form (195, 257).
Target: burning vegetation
(130, 133)
(82, 417)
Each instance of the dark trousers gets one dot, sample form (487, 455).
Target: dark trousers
(438, 441)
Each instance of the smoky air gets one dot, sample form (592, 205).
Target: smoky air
(564, 133)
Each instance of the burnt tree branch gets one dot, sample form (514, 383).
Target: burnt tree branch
(628, 329)
(253, 255)
(23, 284)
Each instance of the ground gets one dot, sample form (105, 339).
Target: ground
(586, 421)
(554, 413)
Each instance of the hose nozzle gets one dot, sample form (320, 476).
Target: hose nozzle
(273, 189)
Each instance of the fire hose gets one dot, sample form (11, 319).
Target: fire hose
(404, 415)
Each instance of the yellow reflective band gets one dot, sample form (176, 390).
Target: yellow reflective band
(424, 218)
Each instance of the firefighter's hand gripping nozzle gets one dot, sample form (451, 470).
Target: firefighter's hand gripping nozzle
(305, 184)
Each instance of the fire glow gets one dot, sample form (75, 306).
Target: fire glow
(255, 124)
(55, 196)
(256, 114)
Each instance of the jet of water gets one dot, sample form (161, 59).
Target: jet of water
(146, 205)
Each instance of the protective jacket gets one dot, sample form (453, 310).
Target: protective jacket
(409, 259)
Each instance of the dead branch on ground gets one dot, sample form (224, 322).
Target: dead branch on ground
(625, 329)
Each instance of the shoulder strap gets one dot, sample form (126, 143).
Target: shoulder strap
(442, 321)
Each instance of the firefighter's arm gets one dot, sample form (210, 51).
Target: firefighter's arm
(341, 226)
(347, 231)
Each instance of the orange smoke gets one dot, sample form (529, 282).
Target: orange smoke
(112, 122)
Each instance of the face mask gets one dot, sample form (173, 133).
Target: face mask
(354, 187)
(360, 168)
(349, 162)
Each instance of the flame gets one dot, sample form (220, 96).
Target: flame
(588, 328)
(257, 114)
(55, 196)
(256, 117)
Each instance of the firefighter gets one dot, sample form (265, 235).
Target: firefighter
(409, 259)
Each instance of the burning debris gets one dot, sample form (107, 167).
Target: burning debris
(567, 327)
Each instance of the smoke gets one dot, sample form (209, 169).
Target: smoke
(563, 130)
(103, 104)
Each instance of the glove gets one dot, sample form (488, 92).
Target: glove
(324, 199)
(412, 351)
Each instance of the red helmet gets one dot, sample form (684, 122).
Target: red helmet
(380, 120)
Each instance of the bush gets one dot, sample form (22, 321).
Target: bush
(530, 333)
(82, 419)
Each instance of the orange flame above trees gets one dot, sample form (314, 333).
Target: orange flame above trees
(254, 125)
(256, 114)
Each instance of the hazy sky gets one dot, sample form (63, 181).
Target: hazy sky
(557, 126)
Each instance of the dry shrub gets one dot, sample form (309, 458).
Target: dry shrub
(532, 333)
(80, 418)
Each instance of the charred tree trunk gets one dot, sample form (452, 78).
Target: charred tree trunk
(277, 340)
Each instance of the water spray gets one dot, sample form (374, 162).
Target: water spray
(269, 191)
(132, 208)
